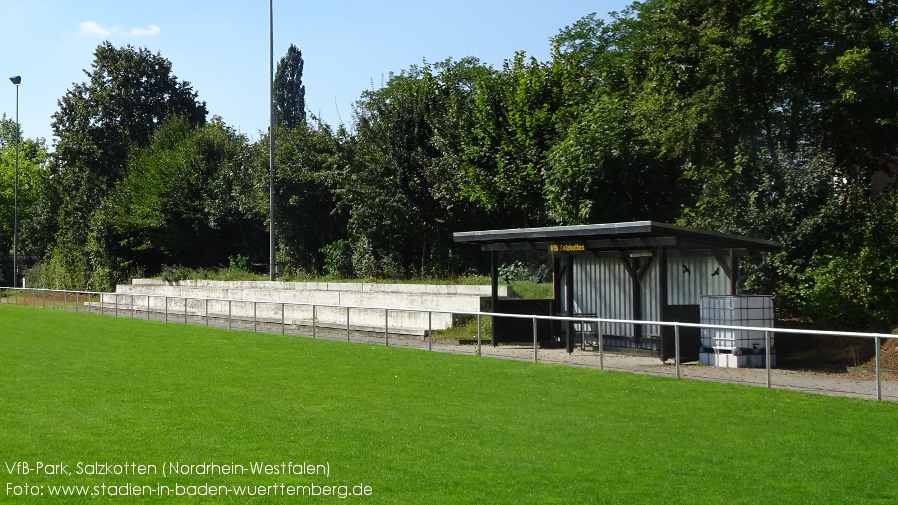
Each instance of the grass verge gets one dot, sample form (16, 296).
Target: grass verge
(417, 427)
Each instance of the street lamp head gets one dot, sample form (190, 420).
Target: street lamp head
(16, 79)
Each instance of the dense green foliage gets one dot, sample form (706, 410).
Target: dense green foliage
(32, 158)
(777, 120)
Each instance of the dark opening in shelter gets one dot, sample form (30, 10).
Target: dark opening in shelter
(641, 270)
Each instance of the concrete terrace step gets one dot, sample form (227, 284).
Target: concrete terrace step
(148, 294)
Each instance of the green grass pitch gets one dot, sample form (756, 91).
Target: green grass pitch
(416, 427)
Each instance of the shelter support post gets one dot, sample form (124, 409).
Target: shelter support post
(494, 294)
(569, 293)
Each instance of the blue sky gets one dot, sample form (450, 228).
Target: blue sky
(221, 47)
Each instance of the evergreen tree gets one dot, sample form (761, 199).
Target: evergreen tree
(289, 91)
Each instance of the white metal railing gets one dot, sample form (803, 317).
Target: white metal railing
(92, 302)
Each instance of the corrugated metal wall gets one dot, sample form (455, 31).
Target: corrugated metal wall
(603, 286)
(690, 277)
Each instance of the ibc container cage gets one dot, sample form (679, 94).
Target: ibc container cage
(752, 311)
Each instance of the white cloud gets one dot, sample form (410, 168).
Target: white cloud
(144, 32)
(92, 28)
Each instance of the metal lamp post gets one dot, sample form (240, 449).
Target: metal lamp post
(271, 245)
(16, 79)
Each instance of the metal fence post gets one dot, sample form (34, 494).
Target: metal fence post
(283, 321)
(229, 314)
(878, 370)
(677, 348)
(767, 364)
(207, 312)
(314, 323)
(601, 337)
(166, 308)
(387, 327)
(44, 300)
(102, 308)
(535, 356)
(148, 307)
(115, 302)
(347, 323)
(478, 334)
(65, 299)
(185, 310)
(255, 326)
(429, 330)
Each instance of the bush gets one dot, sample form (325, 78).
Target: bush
(337, 259)
(523, 271)
(172, 274)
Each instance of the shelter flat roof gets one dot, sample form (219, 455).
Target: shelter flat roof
(611, 237)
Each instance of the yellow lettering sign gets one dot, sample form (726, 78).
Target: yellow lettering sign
(567, 247)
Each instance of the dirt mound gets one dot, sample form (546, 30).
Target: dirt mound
(888, 354)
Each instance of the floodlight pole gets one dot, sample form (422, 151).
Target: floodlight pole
(16, 80)
(271, 245)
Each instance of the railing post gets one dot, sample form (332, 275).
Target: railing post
(76, 301)
(102, 308)
(314, 322)
(478, 334)
(767, 364)
(255, 326)
(65, 299)
(166, 308)
(229, 314)
(878, 370)
(347, 323)
(601, 337)
(148, 307)
(429, 330)
(535, 355)
(132, 305)
(677, 348)
(283, 321)
(116, 304)
(207, 312)
(185, 310)
(387, 327)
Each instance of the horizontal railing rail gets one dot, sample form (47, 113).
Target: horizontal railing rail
(93, 301)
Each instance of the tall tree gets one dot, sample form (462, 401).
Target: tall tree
(32, 157)
(402, 177)
(504, 153)
(187, 199)
(129, 93)
(289, 91)
(781, 112)
(306, 157)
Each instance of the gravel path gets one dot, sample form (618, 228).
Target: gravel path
(834, 384)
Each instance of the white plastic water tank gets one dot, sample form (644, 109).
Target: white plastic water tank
(754, 311)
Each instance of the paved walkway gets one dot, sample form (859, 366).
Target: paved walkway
(834, 384)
